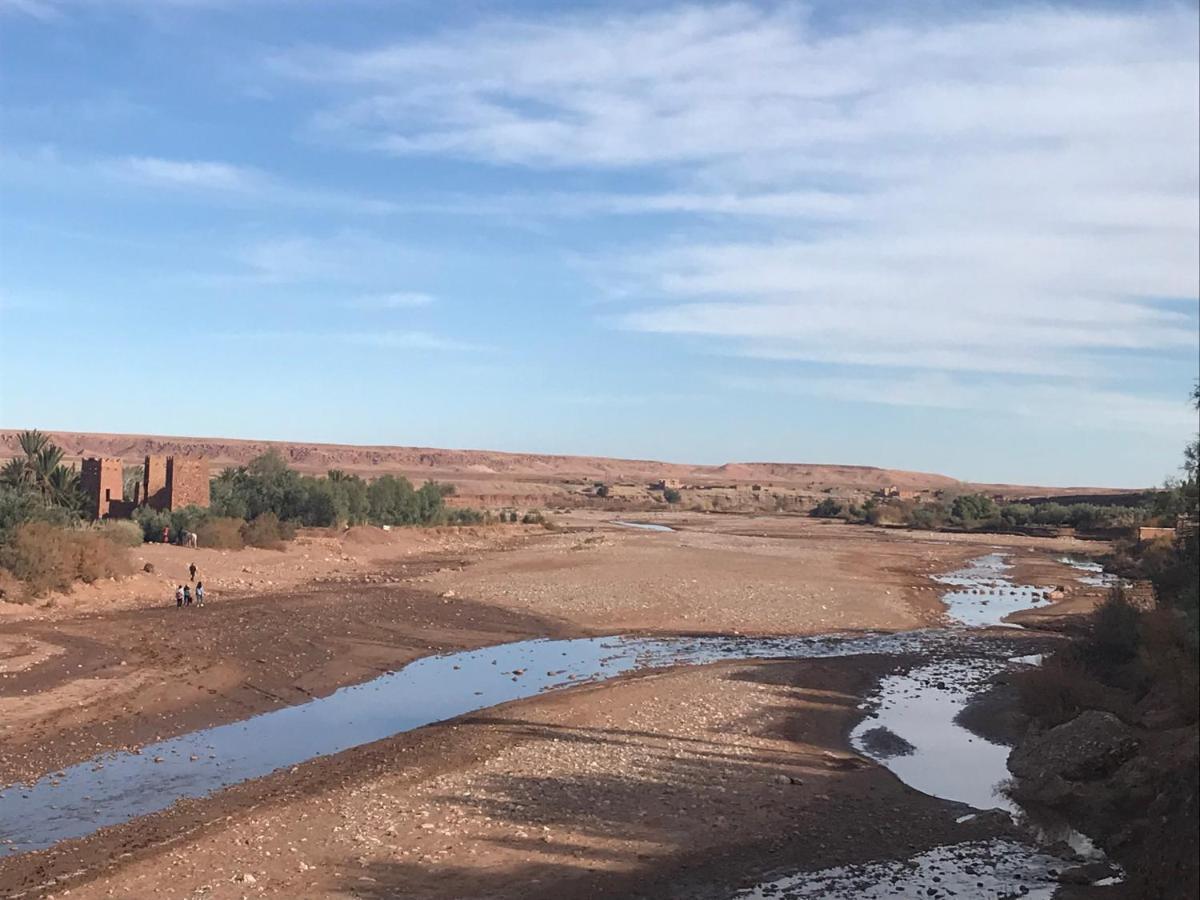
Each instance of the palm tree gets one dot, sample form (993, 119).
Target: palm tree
(14, 473)
(48, 459)
(33, 442)
(63, 486)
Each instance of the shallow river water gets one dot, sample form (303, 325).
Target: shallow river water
(942, 758)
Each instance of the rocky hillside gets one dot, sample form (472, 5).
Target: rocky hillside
(486, 465)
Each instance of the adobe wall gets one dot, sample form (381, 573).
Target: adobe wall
(187, 482)
(103, 483)
(154, 483)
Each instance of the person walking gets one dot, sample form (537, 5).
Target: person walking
(192, 571)
(179, 596)
(187, 595)
(199, 593)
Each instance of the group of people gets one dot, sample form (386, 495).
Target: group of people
(184, 594)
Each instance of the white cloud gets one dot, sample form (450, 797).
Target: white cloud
(202, 174)
(1073, 403)
(344, 258)
(208, 181)
(1012, 191)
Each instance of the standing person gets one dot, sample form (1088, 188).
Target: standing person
(179, 596)
(192, 571)
(166, 534)
(199, 593)
(187, 595)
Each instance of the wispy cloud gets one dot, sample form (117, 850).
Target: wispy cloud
(202, 174)
(1076, 404)
(1012, 192)
(215, 182)
(344, 259)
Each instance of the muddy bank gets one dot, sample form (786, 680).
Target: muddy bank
(681, 784)
(134, 677)
(1133, 790)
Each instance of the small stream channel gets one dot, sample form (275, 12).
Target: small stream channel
(919, 706)
(912, 728)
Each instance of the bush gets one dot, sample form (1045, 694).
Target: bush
(267, 531)
(98, 557)
(971, 509)
(47, 557)
(186, 518)
(152, 522)
(1113, 639)
(673, 496)
(828, 508)
(123, 533)
(461, 515)
(1059, 689)
(927, 516)
(220, 533)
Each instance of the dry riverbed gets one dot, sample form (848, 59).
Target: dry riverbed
(670, 784)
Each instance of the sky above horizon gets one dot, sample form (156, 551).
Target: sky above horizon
(961, 238)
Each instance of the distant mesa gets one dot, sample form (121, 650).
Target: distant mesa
(489, 466)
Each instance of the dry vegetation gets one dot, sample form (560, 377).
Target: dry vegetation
(45, 557)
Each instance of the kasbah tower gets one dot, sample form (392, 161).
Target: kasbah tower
(169, 482)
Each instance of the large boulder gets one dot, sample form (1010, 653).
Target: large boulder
(1092, 745)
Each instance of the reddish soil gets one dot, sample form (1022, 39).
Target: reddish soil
(659, 785)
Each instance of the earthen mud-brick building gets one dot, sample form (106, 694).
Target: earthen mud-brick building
(168, 482)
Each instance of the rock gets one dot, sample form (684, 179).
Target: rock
(884, 744)
(148, 567)
(1090, 746)
(837, 761)
(1089, 873)
(245, 878)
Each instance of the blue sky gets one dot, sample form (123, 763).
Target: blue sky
(958, 238)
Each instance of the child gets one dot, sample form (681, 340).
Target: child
(179, 596)
(187, 595)
(199, 593)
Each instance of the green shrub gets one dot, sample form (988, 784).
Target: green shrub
(152, 522)
(972, 509)
(186, 518)
(828, 508)
(673, 496)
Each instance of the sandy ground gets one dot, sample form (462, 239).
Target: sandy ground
(684, 784)
(656, 782)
